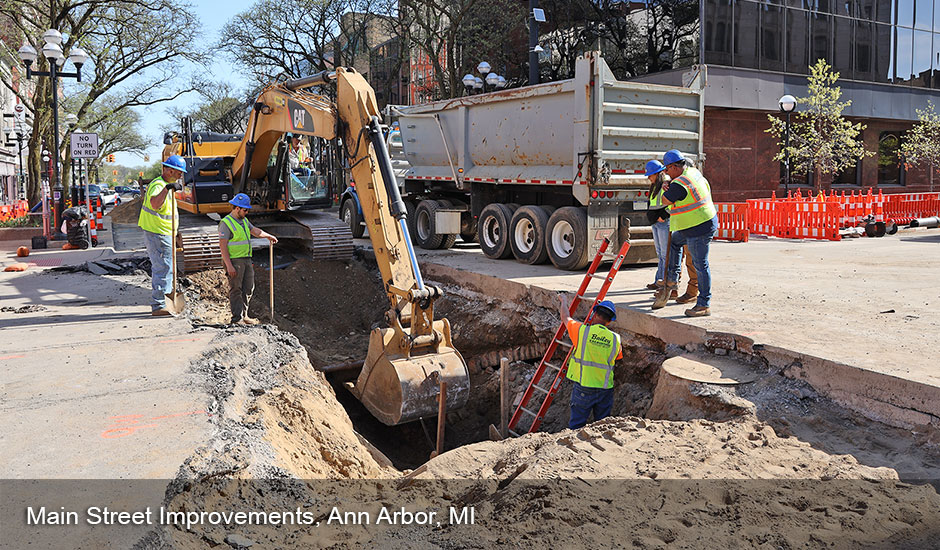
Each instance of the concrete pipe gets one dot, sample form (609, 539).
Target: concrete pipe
(926, 222)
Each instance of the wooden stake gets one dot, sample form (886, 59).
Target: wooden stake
(504, 397)
(441, 413)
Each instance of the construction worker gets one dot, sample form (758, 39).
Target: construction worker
(658, 216)
(156, 219)
(693, 220)
(235, 232)
(591, 367)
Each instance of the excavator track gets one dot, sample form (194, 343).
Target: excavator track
(323, 236)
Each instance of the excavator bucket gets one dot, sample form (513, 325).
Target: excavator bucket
(397, 388)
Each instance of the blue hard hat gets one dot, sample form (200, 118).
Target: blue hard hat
(672, 156)
(241, 200)
(176, 162)
(609, 306)
(654, 167)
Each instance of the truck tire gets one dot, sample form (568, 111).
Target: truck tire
(425, 233)
(566, 238)
(351, 217)
(493, 231)
(527, 235)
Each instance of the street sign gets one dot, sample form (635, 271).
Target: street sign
(84, 146)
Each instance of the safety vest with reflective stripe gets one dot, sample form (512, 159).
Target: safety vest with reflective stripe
(156, 221)
(697, 206)
(239, 246)
(592, 361)
(656, 202)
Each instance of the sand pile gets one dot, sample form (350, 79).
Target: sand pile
(127, 212)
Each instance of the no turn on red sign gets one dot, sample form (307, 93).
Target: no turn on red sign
(84, 145)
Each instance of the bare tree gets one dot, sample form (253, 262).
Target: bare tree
(130, 44)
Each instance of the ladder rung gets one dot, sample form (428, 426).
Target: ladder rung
(540, 388)
(528, 411)
(563, 343)
(550, 365)
(598, 276)
(514, 434)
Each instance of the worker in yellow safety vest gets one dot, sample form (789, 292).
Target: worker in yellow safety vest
(235, 232)
(591, 366)
(693, 221)
(156, 219)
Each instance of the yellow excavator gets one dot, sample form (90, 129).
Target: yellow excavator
(406, 362)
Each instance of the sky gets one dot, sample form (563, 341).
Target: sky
(213, 14)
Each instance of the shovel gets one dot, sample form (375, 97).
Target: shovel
(271, 277)
(175, 303)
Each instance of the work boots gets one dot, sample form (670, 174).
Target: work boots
(691, 293)
(698, 311)
(663, 294)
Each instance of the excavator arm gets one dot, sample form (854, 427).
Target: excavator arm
(401, 376)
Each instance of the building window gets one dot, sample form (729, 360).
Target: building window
(883, 11)
(746, 48)
(771, 38)
(849, 176)
(904, 39)
(797, 41)
(923, 14)
(864, 45)
(905, 13)
(718, 32)
(923, 48)
(820, 42)
(842, 49)
(889, 161)
(865, 9)
(935, 81)
(883, 65)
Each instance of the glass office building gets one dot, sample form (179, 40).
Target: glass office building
(886, 51)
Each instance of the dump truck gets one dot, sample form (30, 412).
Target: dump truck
(545, 172)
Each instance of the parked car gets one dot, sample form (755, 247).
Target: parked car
(127, 190)
(109, 197)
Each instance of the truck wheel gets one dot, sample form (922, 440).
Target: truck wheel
(493, 231)
(527, 235)
(352, 218)
(448, 241)
(425, 234)
(567, 238)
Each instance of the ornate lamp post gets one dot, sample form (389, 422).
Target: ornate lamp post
(787, 105)
(52, 51)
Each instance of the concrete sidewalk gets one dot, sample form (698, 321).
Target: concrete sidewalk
(93, 386)
(868, 303)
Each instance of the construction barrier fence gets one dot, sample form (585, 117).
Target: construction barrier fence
(732, 221)
(17, 209)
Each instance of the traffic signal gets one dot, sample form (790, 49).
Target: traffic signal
(141, 174)
(114, 172)
(111, 157)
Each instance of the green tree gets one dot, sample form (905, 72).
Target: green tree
(822, 141)
(922, 142)
(218, 110)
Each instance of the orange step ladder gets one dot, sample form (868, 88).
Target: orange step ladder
(559, 340)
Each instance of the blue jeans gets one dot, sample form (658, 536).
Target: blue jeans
(585, 400)
(698, 248)
(159, 248)
(661, 241)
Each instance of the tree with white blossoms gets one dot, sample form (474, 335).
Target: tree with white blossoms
(822, 141)
(922, 142)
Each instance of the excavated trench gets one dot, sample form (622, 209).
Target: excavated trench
(332, 306)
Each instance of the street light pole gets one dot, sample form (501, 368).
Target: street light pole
(787, 105)
(533, 42)
(53, 53)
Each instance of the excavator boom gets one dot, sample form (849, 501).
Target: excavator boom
(400, 379)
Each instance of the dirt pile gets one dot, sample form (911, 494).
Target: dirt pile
(127, 212)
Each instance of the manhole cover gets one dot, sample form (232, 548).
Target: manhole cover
(709, 369)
